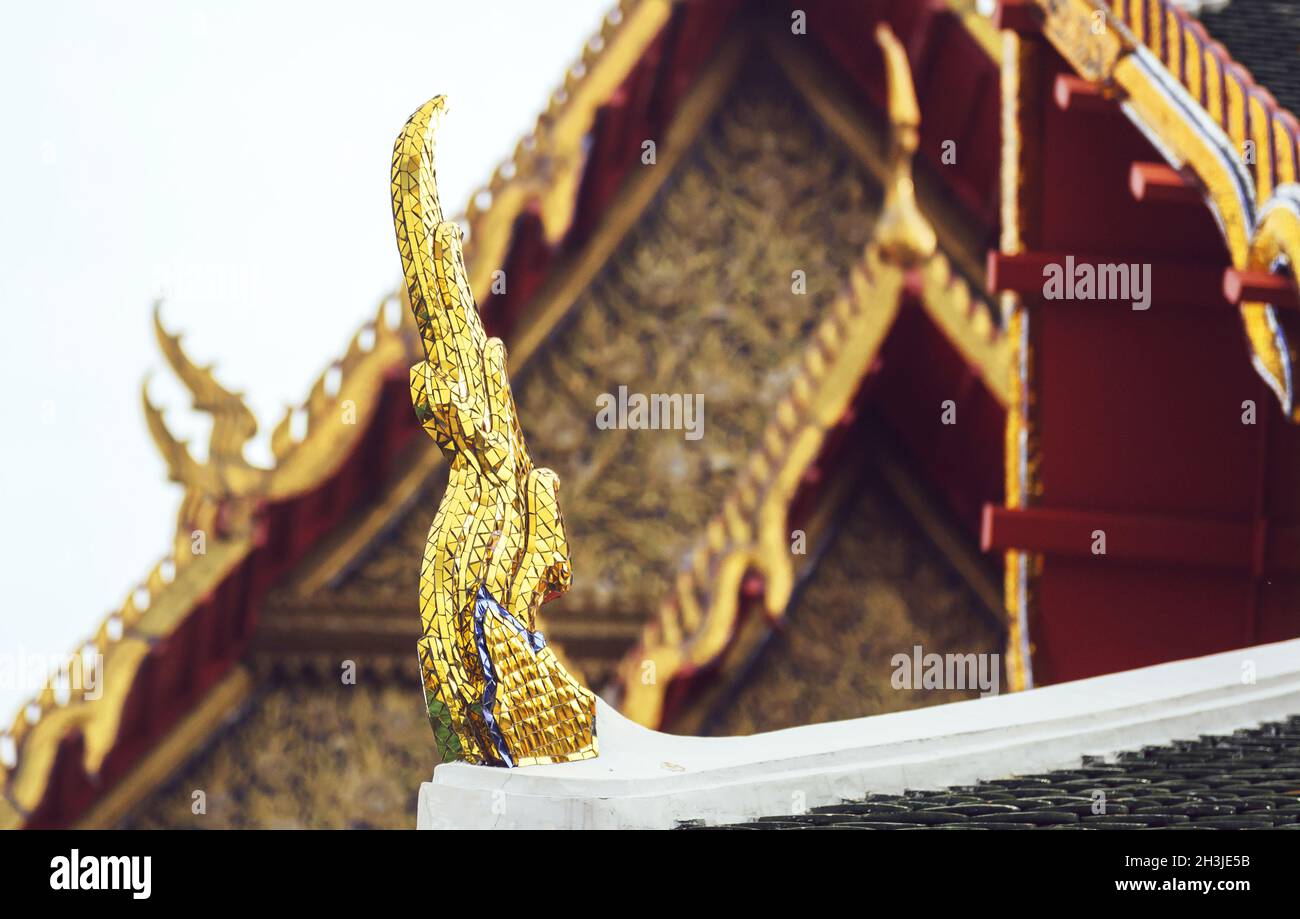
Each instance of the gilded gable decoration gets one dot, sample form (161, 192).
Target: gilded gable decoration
(1207, 116)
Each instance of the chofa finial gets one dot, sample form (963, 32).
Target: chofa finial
(904, 235)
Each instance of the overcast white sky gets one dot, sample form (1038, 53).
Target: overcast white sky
(234, 158)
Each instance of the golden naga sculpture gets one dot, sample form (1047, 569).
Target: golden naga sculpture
(496, 694)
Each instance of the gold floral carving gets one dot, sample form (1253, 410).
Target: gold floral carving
(750, 532)
(306, 755)
(1079, 30)
(881, 588)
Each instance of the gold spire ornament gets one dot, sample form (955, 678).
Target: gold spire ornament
(496, 694)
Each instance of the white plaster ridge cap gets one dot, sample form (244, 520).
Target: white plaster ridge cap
(636, 760)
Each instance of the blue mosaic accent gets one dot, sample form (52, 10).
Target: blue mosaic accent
(485, 604)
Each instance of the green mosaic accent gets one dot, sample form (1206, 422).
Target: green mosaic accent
(444, 735)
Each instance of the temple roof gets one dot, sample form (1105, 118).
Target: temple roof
(1264, 36)
(331, 522)
(896, 574)
(1248, 779)
(670, 310)
(176, 653)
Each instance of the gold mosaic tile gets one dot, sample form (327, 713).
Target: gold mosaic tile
(497, 547)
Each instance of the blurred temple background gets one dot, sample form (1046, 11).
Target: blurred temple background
(884, 468)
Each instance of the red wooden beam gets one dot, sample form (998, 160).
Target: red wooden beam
(752, 586)
(1180, 284)
(1198, 542)
(1158, 183)
(1020, 16)
(1020, 272)
(1077, 94)
(1260, 287)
